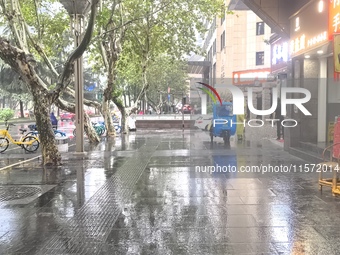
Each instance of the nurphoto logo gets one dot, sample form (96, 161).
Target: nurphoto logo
(238, 103)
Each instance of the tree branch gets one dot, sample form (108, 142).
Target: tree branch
(38, 18)
(78, 52)
(87, 102)
(17, 59)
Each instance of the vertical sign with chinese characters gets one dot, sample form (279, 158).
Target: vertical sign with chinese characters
(336, 53)
(333, 18)
(279, 55)
(334, 33)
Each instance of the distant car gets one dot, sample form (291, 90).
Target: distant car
(132, 123)
(202, 122)
(187, 109)
(27, 114)
(67, 116)
(89, 112)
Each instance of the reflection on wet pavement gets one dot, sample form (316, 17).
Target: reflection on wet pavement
(141, 195)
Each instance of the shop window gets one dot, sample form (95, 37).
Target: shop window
(259, 28)
(260, 58)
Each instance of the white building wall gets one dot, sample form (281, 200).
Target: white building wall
(256, 43)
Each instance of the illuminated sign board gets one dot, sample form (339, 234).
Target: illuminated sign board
(302, 43)
(280, 55)
(333, 18)
(250, 76)
(309, 28)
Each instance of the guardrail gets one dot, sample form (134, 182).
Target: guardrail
(166, 117)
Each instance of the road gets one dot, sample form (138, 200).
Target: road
(153, 195)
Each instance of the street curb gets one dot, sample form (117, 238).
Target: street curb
(19, 121)
(277, 142)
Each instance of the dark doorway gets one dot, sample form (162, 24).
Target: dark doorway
(259, 104)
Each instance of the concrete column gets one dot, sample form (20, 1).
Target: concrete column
(79, 86)
(203, 103)
(322, 101)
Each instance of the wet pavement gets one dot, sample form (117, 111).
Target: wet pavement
(143, 194)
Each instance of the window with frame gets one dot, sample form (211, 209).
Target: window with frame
(260, 28)
(222, 40)
(260, 58)
(209, 55)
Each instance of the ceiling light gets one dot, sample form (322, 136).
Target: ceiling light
(321, 6)
(307, 56)
(319, 51)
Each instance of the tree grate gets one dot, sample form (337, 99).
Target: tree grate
(14, 193)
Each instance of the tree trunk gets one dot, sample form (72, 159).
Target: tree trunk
(145, 86)
(90, 132)
(14, 104)
(21, 104)
(125, 101)
(50, 153)
(110, 128)
(125, 114)
(129, 97)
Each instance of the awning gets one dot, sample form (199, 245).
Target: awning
(237, 5)
(198, 67)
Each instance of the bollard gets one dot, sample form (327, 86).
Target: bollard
(62, 143)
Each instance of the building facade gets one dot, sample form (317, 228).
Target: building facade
(238, 50)
(305, 54)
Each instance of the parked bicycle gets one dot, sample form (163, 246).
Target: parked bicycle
(116, 125)
(34, 131)
(99, 128)
(28, 143)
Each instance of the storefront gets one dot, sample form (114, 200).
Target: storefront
(279, 60)
(312, 68)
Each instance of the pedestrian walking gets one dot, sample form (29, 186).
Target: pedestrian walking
(54, 121)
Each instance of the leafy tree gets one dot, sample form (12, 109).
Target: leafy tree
(14, 88)
(163, 73)
(138, 31)
(167, 28)
(34, 31)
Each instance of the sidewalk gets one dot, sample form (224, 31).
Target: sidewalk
(141, 195)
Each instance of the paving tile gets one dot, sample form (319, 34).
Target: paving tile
(145, 200)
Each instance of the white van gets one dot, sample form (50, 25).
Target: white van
(203, 121)
(132, 123)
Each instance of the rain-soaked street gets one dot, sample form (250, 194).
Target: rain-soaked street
(151, 193)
